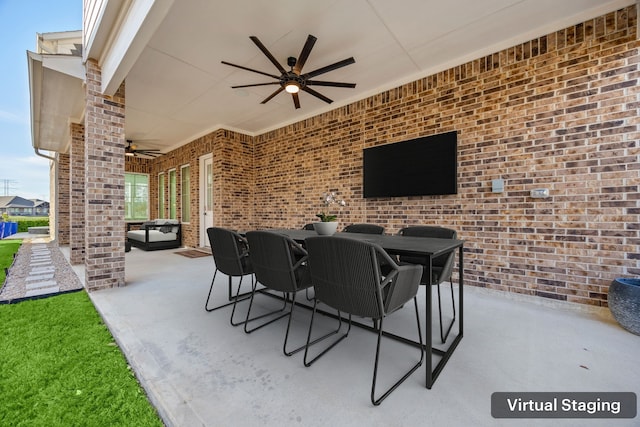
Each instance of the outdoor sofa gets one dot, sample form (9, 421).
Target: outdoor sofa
(156, 234)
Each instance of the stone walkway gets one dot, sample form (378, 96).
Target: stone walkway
(40, 269)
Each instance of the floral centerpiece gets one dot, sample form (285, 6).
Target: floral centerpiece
(328, 224)
(329, 199)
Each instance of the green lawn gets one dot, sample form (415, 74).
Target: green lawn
(7, 249)
(59, 366)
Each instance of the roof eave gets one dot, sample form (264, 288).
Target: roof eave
(56, 98)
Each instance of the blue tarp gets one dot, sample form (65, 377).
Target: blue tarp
(7, 229)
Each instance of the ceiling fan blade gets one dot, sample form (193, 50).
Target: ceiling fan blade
(331, 67)
(250, 69)
(268, 98)
(257, 84)
(296, 100)
(334, 84)
(304, 54)
(268, 54)
(316, 94)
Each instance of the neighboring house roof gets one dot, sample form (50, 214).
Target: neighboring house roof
(38, 203)
(19, 202)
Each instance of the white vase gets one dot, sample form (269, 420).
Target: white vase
(325, 228)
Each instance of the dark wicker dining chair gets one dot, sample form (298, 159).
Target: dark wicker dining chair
(280, 264)
(441, 266)
(231, 256)
(364, 228)
(346, 276)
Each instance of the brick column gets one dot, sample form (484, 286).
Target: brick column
(77, 194)
(104, 184)
(61, 209)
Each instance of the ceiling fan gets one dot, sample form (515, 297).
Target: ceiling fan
(132, 150)
(293, 81)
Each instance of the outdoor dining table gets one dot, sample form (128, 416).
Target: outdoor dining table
(426, 247)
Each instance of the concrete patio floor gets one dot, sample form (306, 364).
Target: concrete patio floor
(199, 370)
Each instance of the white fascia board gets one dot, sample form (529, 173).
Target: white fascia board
(137, 27)
(34, 63)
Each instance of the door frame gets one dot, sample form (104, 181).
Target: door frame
(204, 239)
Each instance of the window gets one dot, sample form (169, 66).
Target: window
(161, 199)
(173, 194)
(136, 196)
(185, 193)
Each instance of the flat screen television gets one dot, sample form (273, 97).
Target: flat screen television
(424, 166)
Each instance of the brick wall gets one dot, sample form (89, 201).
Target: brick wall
(560, 112)
(104, 185)
(60, 227)
(77, 194)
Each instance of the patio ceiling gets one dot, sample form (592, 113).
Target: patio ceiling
(177, 89)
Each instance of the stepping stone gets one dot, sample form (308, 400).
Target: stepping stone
(43, 269)
(43, 291)
(45, 284)
(31, 278)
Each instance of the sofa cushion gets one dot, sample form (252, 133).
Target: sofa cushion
(167, 225)
(154, 236)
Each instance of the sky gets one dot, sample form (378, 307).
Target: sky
(22, 173)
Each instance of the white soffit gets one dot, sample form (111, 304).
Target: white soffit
(57, 97)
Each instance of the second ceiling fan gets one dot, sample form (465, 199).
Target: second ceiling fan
(293, 81)
(133, 150)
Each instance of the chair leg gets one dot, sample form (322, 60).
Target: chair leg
(307, 344)
(249, 319)
(244, 296)
(308, 363)
(232, 298)
(375, 401)
(443, 335)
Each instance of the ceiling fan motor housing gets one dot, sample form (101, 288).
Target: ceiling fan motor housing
(292, 77)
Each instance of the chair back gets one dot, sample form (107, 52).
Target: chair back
(230, 251)
(309, 226)
(364, 228)
(275, 263)
(443, 263)
(346, 275)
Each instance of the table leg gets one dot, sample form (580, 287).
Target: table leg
(461, 285)
(428, 321)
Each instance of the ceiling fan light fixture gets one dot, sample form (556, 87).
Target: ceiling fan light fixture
(292, 87)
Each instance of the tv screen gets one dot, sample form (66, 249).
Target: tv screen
(424, 166)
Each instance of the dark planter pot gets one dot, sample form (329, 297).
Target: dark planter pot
(624, 303)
